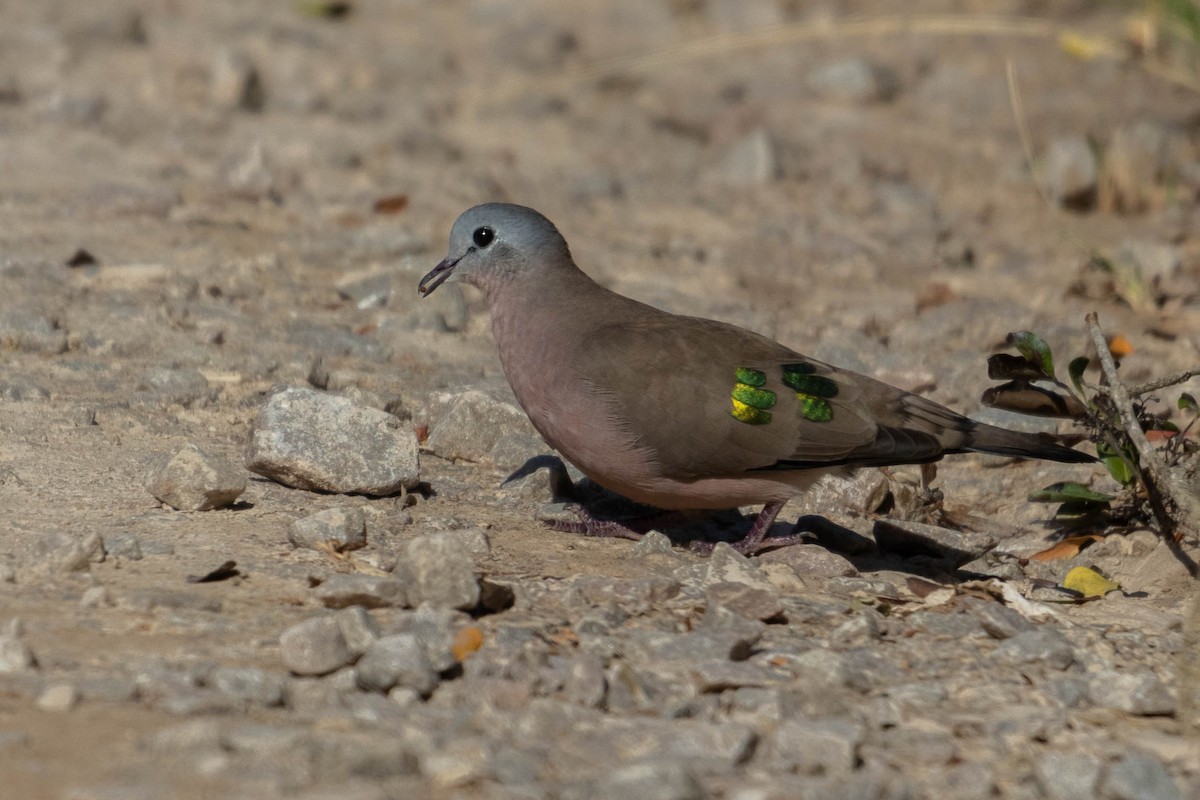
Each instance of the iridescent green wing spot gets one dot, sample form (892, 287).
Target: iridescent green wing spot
(750, 377)
(749, 400)
(814, 409)
(801, 378)
(812, 391)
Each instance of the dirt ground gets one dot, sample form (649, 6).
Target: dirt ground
(185, 186)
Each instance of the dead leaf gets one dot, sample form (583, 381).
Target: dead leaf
(1119, 346)
(392, 204)
(933, 295)
(222, 573)
(1067, 548)
(466, 642)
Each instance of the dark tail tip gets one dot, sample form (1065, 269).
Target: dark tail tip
(1043, 446)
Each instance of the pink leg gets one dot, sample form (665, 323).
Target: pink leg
(756, 538)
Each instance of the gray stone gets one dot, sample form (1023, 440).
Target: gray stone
(1138, 691)
(585, 683)
(811, 560)
(436, 629)
(917, 539)
(21, 329)
(365, 288)
(263, 740)
(182, 385)
(358, 628)
(750, 161)
(864, 627)
(340, 529)
(249, 173)
(472, 425)
(313, 440)
(58, 697)
(1067, 776)
(1139, 777)
(1153, 261)
(440, 572)
(946, 625)
(235, 82)
(822, 670)
(818, 747)
(998, 620)
(629, 595)
(1037, 646)
(369, 591)
(15, 655)
(649, 780)
(653, 648)
(95, 597)
(727, 565)
(745, 601)
(854, 80)
(194, 480)
(61, 552)
(474, 540)
(1070, 172)
(250, 685)
(653, 542)
(396, 660)
(123, 545)
(706, 745)
(315, 647)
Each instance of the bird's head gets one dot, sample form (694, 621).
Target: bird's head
(495, 244)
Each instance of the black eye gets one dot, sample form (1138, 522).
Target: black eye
(483, 236)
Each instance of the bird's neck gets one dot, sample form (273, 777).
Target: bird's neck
(536, 325)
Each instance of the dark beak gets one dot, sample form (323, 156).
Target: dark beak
(437, 276)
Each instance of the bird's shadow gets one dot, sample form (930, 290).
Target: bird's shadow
(688, 528)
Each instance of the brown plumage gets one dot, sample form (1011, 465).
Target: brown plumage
(681, 412)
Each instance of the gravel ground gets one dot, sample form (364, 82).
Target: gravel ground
(212, 219)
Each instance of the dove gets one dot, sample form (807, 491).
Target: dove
(681, 412)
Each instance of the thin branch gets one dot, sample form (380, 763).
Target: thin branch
(1162, 383)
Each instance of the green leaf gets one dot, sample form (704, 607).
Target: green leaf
(1188, 403)
(1119, 468)
(1035, 349)
(1075, 370)
(1066, 491)
(1121, 464)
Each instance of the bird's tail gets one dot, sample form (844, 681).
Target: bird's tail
(983, 438)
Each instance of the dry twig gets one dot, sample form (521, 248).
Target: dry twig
(1175, 506)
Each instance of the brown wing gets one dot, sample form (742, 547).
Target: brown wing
(705, 399)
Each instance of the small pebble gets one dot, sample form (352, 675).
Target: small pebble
(340, 529)
(59, 697)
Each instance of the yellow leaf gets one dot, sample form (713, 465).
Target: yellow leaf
(1088, 582)
(1085, 48)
